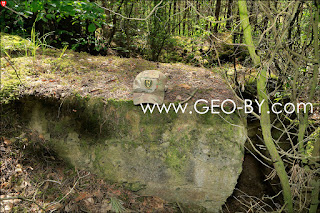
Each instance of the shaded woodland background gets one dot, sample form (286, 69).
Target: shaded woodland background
(175, 31)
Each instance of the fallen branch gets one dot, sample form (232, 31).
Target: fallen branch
(24, 199)
(66, 195)
(15, 71)
(191, 95)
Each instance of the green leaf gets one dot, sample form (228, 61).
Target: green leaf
(92, 28)
(50, 16)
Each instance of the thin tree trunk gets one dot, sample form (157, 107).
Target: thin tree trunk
(229, 13)
(169, 18)
(217, 13)
(304, 119)
(105, 27)
(198, 9)
(291, 23)
(174, 17)
(114, 22)
(184, 20)
(126, 29)
(265, 116)
(179, 26)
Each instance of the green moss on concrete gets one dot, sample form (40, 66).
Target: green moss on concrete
(14, 45)
(136, 186)
(151, 153)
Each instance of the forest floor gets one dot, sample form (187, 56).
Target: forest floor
(47, 74)
(33, 179)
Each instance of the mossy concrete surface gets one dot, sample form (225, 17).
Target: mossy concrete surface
(187, 158)
(13, 45)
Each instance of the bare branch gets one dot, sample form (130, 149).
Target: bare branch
(275, 20)
(303, 57)
(23, 198)
(15, 71)
(18, 13)
(74, 185)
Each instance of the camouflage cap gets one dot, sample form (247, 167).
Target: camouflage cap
(149, 87)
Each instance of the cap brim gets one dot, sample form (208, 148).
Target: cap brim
(145, 98)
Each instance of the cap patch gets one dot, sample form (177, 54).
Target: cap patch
(148, 83)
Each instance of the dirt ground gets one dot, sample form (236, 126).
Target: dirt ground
(34, 179)
(112, 77)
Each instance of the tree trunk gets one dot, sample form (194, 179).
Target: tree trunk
(265, 116)
(229, 13)
(114, 22)
(174, 17)
(291, 23)
(179, 25)
(217, 13)
(184, 20)
(169, 18)
(315, 81)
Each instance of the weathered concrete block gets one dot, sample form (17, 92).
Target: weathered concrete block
(187, 158)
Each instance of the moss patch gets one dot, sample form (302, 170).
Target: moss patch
(185, 158)
(14, 45)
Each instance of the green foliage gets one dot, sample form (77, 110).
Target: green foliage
(158, 35)
(84, 26)
(91, 27)
(312, 143)
(35, 44)
(69, 20)
(117, 205)
(63, 51)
